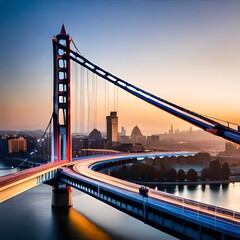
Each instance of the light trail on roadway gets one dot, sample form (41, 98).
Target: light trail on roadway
(84, 168)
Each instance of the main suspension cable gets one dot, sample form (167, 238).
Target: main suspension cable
(194, 118)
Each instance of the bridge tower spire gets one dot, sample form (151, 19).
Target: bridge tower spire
(61, 98)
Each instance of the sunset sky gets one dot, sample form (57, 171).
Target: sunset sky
(187, 52)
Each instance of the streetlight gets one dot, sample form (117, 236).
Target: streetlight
(143, 191)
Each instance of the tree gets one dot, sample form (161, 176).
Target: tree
(181, 175)
(148, 161)
(181, 160)
(147, 173)
(202, 158)
(171, 175)
(157, 161)
(123, 172)
(215, 170)
(188, 159)
(204, 174)
(225, 171)
(165, 161)
(192, 175)
(134, 172)
(142, 172)
(173, 160)
(161, 175)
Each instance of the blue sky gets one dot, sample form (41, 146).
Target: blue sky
(187, 52)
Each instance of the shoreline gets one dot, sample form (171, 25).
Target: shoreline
(232, 180)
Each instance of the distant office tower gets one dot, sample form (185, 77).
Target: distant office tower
(17, 145)
(171, 130)
(112, 127)
(123, 132)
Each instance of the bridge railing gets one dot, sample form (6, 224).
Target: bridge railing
(204, 208)
(7, 179)
(95, 151)
(195, 206)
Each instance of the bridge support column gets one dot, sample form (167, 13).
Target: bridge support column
(62, 196)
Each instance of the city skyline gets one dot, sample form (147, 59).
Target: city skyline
(185, 52)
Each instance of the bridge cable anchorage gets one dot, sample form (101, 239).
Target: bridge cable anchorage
(194, 118)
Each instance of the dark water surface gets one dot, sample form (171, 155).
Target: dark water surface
(29, 216)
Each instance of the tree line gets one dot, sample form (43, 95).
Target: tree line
(160, 170)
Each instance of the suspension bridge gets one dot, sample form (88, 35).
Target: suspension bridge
(180, 217)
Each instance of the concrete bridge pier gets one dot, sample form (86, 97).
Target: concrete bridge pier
(61, 195)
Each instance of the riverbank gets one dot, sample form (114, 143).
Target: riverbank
(233, 179)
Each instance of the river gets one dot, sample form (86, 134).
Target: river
(30, 216)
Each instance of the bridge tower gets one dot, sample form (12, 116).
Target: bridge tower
(61, 145)
(61, 149)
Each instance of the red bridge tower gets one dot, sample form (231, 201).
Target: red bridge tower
(61, 145)
(61, 98)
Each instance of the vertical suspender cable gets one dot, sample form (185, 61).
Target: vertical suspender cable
(88, 103)
(49, 139)
(105, 102)
(96, 101)
(108, 95)
(93, 100)
(106, 98)
(115, 98)
(76, 98)
(82, 103)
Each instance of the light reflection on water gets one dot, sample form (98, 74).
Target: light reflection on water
(29, 216)
(226, 197)
(75, 226)
(6, 169)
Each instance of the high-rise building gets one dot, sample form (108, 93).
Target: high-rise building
(171, 130)
(123, 132)
(112, 127)
(17, 145)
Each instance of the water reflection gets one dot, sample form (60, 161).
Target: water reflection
(75, 226)
(203, 187)
(29, 216)
(6, 169)
(222, 195)
(180, 188)
(215, 186)
(192, 187)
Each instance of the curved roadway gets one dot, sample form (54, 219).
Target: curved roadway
(85, 168)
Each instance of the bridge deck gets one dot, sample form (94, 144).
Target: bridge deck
(125, 196)
(16, 183)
